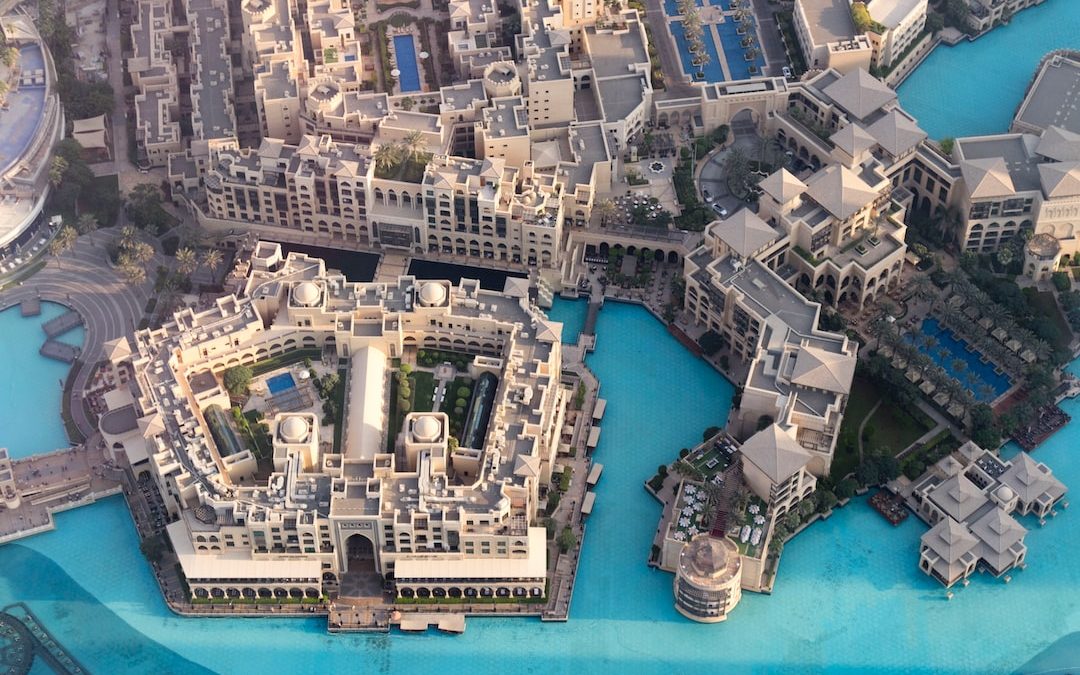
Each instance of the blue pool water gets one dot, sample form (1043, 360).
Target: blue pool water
(975, 375)
(849, 595)
(30, 388)
(714, 72)
(975, 87)
(734, 52)
(280, 383)
(405, 51)
(572, 314)
(19, 122)
(671, 7)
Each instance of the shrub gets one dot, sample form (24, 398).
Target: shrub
(566, 540)
(553, 502)
(683, 453)
(464, 392)
(404, 406)
(237, 379)
(405, 368)
(1061, 281)
(461, 403)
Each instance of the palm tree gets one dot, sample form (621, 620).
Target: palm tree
(386, 156)
(128, 236)
(958, 366)
(86, 224)
(57, 169)
(413, 145)
(186, 261)
(62, 242)
(212, 259)
(605, 208)
(996, 313)
(133, 273)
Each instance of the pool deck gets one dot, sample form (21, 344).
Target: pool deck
(55, 482)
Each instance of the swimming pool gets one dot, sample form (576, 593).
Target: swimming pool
(30, 384)
(19, 123)
(975, 375)
(280, 383)
(405, 51)
(714, 72)
(734, 53)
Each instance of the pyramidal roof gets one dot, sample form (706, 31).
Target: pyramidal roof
(782, 186)
(896, 133)
(840, 191)
(987, 177)
(1059, 144)
(852, 139)
(949, 539)
(775, 452)
(745, 232)
(860, 93)
(820, 369)
(1060, 179)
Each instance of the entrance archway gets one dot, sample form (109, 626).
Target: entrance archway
(360, 554)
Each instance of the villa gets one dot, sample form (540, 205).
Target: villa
(968, 498)
(429, 513)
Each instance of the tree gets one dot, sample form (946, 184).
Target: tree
(62, 242)
(407, 103)
(710, 342)
(846, 488)
(606, 210)
(413, 145)
(661, 470)
(934, 22)
(826, 500)
(133, 273)
(186, 261)
(709, 433)
(236, 380)
(567, 540)
(806, 508)
(386, 156)
(8, 56)
(212, 260)
(57, 170)
(86, 224)
(144, 208)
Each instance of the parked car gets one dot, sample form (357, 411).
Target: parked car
(787, 72)
(720, 210)
(708, 197)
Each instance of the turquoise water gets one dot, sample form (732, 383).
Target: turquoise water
(572, 314)
(849, 594)
(975, 87)
(30, 387)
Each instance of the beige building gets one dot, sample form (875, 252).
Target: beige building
(708, 581)
(441, 518)
(828, 37)
(900, 22)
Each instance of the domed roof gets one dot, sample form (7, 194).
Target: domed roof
(294, 429)
(306, 293)
(432, 294)
(426, 428)
(1005, 493)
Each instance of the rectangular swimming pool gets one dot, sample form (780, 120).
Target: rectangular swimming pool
(734, 53)
(405, 51)
(980, 378)
(280, 383)
(714, 72)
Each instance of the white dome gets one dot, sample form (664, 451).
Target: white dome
(294, 429)
(432, 294)
(306, 293)
(1005, 493)
(426, 428)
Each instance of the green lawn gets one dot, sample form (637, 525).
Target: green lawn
(895, 428)
(423, 391)
(1045, 305)
(864, 395)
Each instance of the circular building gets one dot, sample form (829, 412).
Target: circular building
(708, 581)
(501, 79)
(1041, 256)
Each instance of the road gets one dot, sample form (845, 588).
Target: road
(769, 36)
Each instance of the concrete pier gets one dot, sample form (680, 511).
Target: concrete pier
(62, 323)
(51, 483)
(61, 351)
(30, 306)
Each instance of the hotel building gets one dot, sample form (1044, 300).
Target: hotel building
(436, 516)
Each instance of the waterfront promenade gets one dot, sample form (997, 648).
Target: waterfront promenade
(54, 482)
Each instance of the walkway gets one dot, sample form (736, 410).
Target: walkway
(674, 79)
(83, 281)
(862, 426)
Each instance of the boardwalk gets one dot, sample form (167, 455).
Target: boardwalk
(61, 351)
(30, 306)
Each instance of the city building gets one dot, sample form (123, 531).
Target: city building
(969, 499)
(708, 582)
(828, 37)
(986, 14)
(901, 24)
(429, 513)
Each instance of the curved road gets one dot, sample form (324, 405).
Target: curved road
(110, 307)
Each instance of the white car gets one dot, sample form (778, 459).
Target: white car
(720, 210)
(787, 72)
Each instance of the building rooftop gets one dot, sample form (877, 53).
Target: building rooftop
(775, 451)
(1051, 101)
(829, 20)
(858, 92)
(891, 12)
